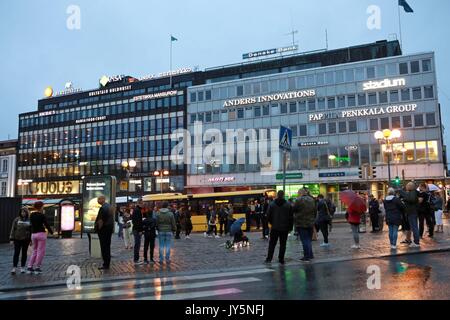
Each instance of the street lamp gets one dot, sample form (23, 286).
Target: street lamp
(388, 137)
(161, 175)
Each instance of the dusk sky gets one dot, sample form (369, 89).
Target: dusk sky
(133, 38)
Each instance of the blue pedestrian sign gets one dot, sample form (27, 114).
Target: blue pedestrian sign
(285, 138)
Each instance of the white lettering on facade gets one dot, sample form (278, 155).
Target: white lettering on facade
(386, 83)
(106, 91)
(270, 98)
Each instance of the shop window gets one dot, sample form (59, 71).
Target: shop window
(421, 151)
(433, 154)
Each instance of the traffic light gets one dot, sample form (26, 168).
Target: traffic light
(397, 181)
(373, 173)
(363, 172)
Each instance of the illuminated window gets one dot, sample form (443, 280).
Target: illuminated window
(421, 151)
(433, 151)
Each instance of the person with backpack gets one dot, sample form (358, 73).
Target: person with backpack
(149, 228)
(20, 236)
(323, 219)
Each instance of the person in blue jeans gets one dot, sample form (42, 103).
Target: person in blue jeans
(138, 230)
(166, 226)
(411, 200)
(305, 210)
(394, 214)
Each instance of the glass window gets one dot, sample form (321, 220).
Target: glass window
(381, 71)
(291, 83)
(351, 101)
(320, 77)
(312, 105)
(303, 130)
(208, 95)
(392, 69)
(200, 96)
(224, 115)
(331, 103)
(362, 125)
(193, 96)
(314, 158)
(256, 88)
(418, 120)
(349, 75)
(375, 154)
(193, 117)
(407, 121)
(249, 112)
(310, 80)
(409, 154)
(405, 95)
(341, 102)
(415, 67)
(294, 131)
(433, 154)
(421, 154)
(365, 154)
(339, 76)
(312, 130)
(370, 72)
(216, 116)
(332, 128)
(274, 85)
(240, 91)
(283, 108)
(232, 115)
(275, 110)
(240, 113)
(293, 107)
(266, 110)
(431, 119)
(323, 158)
(429, 92)
(321, 103)
(352, 126)
(354, 157)
(208, 117)
(329, 78)
(264, 86)
(322, 128)
(396, 122)
(199, 117)
(344, 159)
(301, 106)
(359, 74)
(393, 96)
(342, 127)
(362, 99)
(382, 96)
(404, 68)
(372, 98)
(257, 111)
(426, 65)
(301, 82)
(384, 123)
(417, 93)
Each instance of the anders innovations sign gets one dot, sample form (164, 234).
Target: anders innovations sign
(359, 113)
(270, 97)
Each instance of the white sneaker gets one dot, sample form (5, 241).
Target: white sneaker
(13, 271)
(23, 270)
(394, 247)
(356, 246)
(204, 234)
(414, 245)
(210, 236)
(217, 237)
(324, 244)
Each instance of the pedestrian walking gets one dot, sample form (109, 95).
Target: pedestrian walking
(127, 228)
(353, 216)
(425, 211)
(280, 217)
(323, 219)
(305, 211)
(149, 227)
(382, 214)
(119, 220)
(332, 210)
(104, 226)
(212, 227)
(410, 198)
(166, 227)
(438, 207)
(223, 212)
(20, 236)
(138, 230)
(39, 224)
(187, 220)
(394, 214)
(374, 211)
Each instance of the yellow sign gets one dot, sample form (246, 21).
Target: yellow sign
(52, 188)
(48, 92)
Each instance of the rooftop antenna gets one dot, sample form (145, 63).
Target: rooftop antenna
(293, 33)
(326, 38)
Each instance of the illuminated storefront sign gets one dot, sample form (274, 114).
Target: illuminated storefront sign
(94, 119)
(271, 97)
(269, 52)
(164, 94)
(221, 179)
(47, 113)
(166, 74)
(53, 188)
(111, 90)
(313, 143)
(386, 83)
(331, 174)
(402, 108)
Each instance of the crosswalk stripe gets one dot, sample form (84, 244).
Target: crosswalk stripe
(133, 293)
(193, 295)
(117, 284)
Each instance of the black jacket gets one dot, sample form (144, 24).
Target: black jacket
(105, 214)
(280, 215)
(137, 220)
(149, 224)
(394, 210)
(323, 214)
(411, 201)
(374, 207)
(39, 223)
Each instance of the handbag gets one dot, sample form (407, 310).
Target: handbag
(329, 218)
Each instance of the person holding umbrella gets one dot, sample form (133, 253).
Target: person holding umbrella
(356, 206)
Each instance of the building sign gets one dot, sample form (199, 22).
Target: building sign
(47, 113)
(331, 174)
(271, 97)
(386, 83)
(289, 176)
(268, 52)
(93, 187)
(221, 179)
(54, 188)
(351, 148)
(87, 120)
(111, 90)
(162, 180)
(164, 94)
(166, 74)
(313, 143)
(105, 79)
(359, 113)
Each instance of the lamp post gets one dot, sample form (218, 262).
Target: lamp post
(388, 137)
(161, 175)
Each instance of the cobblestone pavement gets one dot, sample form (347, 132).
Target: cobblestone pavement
(197, 255)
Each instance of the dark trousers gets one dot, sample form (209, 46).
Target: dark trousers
(323, 227)
(149, 240)
(137, 245)
(265, 226)
(212, 229)
(248, 222)
(430, 224)
(274, 235)
(228, 226)
(375, 221)
(306, 238)
(222, 226)
(257, 217)
(188, 230)
(20, 245)
(105, 247)
(178, 231)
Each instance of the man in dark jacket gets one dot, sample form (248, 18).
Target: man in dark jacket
(138, 229)
(149, 227)
(104, 226)
(374, 211)
(305, 210)
(411, 200)
(394, 215)
(425, 211)
(279, 215)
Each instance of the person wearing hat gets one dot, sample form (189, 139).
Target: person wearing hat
(38, 223)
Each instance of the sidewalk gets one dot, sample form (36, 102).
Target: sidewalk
(199, 254)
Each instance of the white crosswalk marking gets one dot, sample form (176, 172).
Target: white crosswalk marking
(148, 289)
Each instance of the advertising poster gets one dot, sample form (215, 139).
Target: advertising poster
(93, 187)
(67, 218)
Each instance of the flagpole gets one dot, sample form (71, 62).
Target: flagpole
(400, 27)
(170, 70)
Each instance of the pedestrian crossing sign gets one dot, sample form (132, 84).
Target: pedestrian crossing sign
(285, 138)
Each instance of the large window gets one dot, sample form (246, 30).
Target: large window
(404, 68)
(431, 119)
(429, 93)
(417, 93)
(421, 154)
(426, 65)
(394, 96)
(433, 154)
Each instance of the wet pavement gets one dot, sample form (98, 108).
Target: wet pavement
(198, 255)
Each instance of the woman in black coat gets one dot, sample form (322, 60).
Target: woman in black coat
(394, 215)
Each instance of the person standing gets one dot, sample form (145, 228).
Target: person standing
(374, 211)
(354, 219)
(382, 215)
(394, 213)
(187, 222)
(127, 228)
(177, 215)
(38, 223)
(138, 230)
(264, 219)
(230, 218)
(305, 210)
(166, 226)
(20, 236)
(332, 210)
(104, 226)
(323, 219)
(149, 227)
(438, 207)
(222, 220)
(281, 219)
(212, 226)
(119, 220)
(411, 200)
(425, 211)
